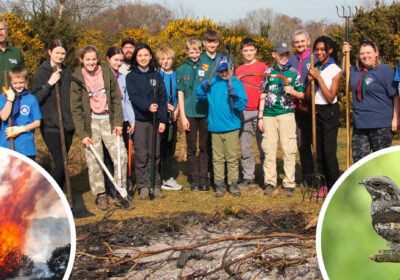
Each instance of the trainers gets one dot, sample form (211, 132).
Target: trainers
(220, 190)
(268, 189)
(288, 192)
(144, 194)
(158, 193)
(234, 190)
(171, 184)
(322, 194)
(102, 201)
(195, 185)
(204, 185)
(246, 184)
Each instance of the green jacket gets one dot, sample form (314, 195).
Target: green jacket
(80, 106)
(188, 77)
(8, 59)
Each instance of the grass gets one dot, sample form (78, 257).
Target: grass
(185, 200)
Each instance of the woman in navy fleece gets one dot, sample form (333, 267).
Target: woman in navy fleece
(141, 83)
(375, 101)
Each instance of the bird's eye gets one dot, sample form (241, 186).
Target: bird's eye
(376, 183)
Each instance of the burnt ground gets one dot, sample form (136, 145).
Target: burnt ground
(227, 245)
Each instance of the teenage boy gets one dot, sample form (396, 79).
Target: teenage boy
(301, 61)
(165, 56)
(224, 125)
(208, 61)
(193, 114)
(248, 49)
(276, 118)
(128, 48)
(23, 109)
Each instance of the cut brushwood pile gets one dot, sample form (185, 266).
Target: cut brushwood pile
(227, 245)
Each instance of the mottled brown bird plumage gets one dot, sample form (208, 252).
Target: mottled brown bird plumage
(385, 208)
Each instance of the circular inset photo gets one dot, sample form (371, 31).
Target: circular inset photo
(358, 232)
(37, 231)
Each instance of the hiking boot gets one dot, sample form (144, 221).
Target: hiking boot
(171, 185)
(234, 190)
(204, 185)
(288, 192)
(220, 190)
(321, 194)
(195, 185)
(268, 189)
(102, 201)
(247, 184)
(144, 194)
(158, 193)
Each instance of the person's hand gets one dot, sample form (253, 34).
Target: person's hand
(205, 85)
(118, 130)
(161, 127)
(54, 77)
(9, 93)
(14, 131)
(131, 127)
(314, 73)
(87, 141)
(346, 47)
(185, 124)
(153, 107)
(232, 92)
(395, 124)
(261, 125)
(170, 107)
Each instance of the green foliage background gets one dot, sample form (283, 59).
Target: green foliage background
(347, 234)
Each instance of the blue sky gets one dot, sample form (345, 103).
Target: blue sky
(226, 10)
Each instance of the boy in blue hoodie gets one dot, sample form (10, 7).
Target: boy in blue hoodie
(224, 124)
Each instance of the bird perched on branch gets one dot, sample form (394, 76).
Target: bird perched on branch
(385, 208)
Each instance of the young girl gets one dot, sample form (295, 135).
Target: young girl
(375, 101)
(97, 114)
(43, 87)
(141, 83)
(327, 78)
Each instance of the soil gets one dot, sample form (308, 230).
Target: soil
(227, 245)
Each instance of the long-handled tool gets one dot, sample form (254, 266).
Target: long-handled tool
(6, 85)
(153, 143)
(62, 140)
(170, 113)
(129, 182)
(227, 54)
(213, 71)
(318, 179)
(347, 16)
(121, 192)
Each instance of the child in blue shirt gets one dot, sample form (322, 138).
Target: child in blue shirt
(24, 111)
(224, 124)
(165, 56)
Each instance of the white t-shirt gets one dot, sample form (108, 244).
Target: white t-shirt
(327, 76)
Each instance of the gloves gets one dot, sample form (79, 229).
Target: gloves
(232, 92)
(205, 85)
(14, 131)
(9, 93)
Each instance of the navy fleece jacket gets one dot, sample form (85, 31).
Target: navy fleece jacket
(140, 86)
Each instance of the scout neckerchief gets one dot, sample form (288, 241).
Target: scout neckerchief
(361, 83)
(301, 58)
(321, 68)
(17, 106)
(281, 71)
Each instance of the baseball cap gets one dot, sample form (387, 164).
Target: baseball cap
(281, 47)
(127, 41)
(223, 64)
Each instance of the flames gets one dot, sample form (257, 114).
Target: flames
(17, 206)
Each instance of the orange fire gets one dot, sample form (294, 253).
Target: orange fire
(16, 209)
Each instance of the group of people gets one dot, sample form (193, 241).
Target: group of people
(219, 107)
